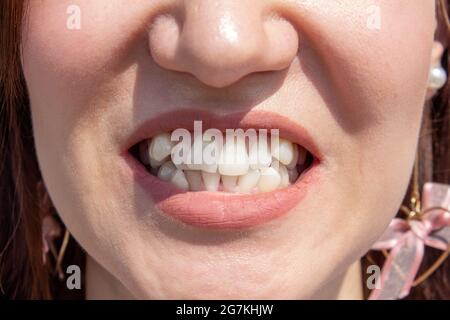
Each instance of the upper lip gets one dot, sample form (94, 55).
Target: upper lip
(167, 122)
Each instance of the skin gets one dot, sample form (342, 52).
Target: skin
(359, 92)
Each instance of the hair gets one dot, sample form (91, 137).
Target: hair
(23, 275)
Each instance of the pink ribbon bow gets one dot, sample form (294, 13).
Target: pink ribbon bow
(406, 240)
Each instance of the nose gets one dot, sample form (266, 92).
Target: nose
(222, 41)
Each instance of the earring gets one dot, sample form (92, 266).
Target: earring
(437, 77)
(51, 230)
(426, 223)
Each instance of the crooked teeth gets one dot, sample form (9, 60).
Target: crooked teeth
(160, 147)
(148, 157)
(259, 155)
(179, 180)
(166, 171)
(284, 151)
(248, 181)
(155, 163)
(243, 168)
(269, 180)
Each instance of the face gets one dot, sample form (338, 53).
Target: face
(343, 80)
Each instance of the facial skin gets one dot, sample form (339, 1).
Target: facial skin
(359, 92)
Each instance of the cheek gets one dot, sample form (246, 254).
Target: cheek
(105, 30)
(377, 81)
(65, 67)
(375, 69)
(378, 77)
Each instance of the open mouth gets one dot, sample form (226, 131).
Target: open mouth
(252, 169)
(242, 193)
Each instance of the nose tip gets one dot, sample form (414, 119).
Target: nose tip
(220, 42)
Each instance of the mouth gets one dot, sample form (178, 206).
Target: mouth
(246, 185)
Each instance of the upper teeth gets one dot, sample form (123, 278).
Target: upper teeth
(241, 168)
(234, 159)
(160, 147)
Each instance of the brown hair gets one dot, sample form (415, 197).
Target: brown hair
(22, 272)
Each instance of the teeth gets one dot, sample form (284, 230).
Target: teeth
(229, 183)
(145, 156)
(195, 180)
(210, 168)
(263, 168)
(270, 179)
(293, 163)
(248, 181)
(178, 156)
(156, 164)
(179, 180)
(284, 151)
(211, 181)
(182, 166)
(211, 148)
(204, 165)
(259, 154)
(160, 147)
(166, 171)
(284, 175)
(196, 154)
(234, 158)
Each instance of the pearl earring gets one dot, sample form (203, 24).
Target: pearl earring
(437, 77)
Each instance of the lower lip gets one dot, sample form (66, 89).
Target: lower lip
(215, 210)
